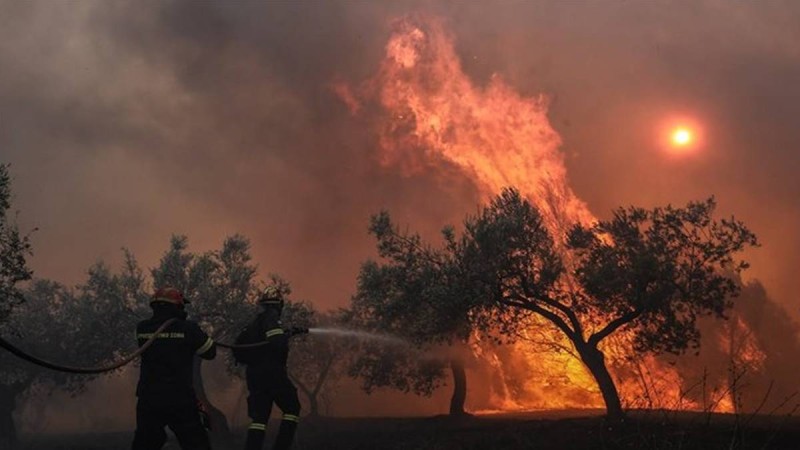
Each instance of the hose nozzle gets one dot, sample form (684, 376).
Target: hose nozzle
(295, 331)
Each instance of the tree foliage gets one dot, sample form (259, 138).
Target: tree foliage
(219, 285)
(656, 271)
(14, 248)
(413, 292)
(81, 325)
(77, 326)
(649, 272)
(222, 287)
(316, 362)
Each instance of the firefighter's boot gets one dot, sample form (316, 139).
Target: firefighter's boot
(283, 441)
(255, 436)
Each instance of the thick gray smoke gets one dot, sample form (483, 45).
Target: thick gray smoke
(127, 122)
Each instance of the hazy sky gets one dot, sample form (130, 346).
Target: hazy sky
(126, 122)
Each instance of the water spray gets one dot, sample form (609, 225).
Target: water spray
(385, 338)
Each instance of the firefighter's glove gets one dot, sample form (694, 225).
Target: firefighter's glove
(295, 331)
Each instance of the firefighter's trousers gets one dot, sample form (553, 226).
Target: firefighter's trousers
(264, 391)
(182, 418)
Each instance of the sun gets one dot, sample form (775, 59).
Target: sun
(682, 137)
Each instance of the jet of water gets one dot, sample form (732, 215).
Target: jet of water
(388, 339)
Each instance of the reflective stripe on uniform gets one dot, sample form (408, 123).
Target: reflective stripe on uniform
(257, 426)
(205, 347)
(161, 335)
(274, 332)
(291, 417)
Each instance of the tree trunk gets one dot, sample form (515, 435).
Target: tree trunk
(733, 369)
(595, 362)
(313, 395)
(8, 432)
(459, 387)
(219, 423)
(313, 406)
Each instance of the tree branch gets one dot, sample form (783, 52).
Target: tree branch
(323, 375)
(577, 328)
(549, 315)
(300, 384)
(613, 326)
(426, 252)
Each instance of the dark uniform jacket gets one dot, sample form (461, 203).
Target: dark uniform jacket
(166, 370)
(272, 361)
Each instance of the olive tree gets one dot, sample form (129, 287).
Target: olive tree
(316, 362)
(75, 326)
(414, 292)
(647, 272)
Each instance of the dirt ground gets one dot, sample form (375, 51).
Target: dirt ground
(642, 430)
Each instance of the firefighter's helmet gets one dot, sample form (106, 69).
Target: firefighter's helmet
(169, 295)
(272, 296)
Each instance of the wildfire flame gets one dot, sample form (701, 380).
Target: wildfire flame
(436, 114)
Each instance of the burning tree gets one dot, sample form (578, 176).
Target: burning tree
(646, 273)
(742, 364)
(416, 294)
(13, 250)
(650, 273)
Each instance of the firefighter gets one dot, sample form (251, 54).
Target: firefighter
(165, 391)
(267, 379)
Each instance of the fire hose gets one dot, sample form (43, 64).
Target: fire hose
(85, 370)
(101, 369)
(294, 331)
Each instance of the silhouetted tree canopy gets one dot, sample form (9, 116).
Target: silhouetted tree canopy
(316, 362)
(647, 272)
(219, 285)
(656, 271)
(651, 273)
(414, 292)
(222, 287)
(79, 327)
(14, 248)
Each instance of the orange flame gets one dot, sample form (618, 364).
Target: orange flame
(493, 134)
(436, 115)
